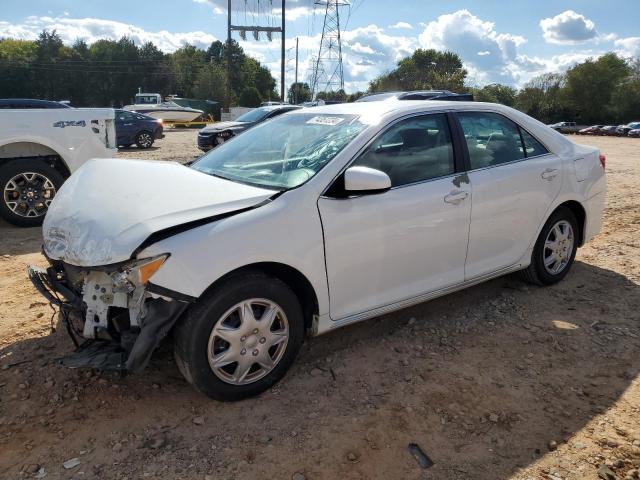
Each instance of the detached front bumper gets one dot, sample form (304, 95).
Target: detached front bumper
(111, 333)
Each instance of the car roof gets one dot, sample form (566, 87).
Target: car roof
(384, 107)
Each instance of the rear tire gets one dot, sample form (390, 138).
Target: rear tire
(555, 249)
(144, 140)
(27, 186)
(222, 336)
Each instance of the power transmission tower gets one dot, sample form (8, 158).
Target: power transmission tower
(327, 73)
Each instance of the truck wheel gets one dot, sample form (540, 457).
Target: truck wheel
(28, 187)
(144, 140)
(241, 337)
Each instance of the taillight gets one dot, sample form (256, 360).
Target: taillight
(603, 160)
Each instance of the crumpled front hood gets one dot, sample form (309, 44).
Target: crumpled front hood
(221, 126)
(107, 208)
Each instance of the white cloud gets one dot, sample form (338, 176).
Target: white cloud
(401, 26)
(489, 56)
(628, 47)
(568, 27)
(92, 29)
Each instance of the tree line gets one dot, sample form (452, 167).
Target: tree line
(109, 72)
(602, 90)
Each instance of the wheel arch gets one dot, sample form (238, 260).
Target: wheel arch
(34, 149)
(291, 276)
(580, 213)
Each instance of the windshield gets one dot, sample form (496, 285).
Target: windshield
(253, 115)
(284, 152)
(146, 99)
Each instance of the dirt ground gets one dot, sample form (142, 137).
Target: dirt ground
(500, 381)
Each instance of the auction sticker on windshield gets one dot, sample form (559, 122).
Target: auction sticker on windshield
(319, 120)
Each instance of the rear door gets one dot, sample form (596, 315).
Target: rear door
(514, 179)
(390, 247)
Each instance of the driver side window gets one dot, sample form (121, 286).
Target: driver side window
(412, 150)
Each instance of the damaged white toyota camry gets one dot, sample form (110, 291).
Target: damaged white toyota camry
(314, 220)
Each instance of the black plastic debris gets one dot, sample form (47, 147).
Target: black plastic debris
(422, 458)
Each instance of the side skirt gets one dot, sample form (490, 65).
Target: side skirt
(328, 325)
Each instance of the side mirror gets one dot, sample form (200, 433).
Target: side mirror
(366, 180)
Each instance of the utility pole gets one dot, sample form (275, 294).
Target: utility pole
(227, 100)
(282, 60)
(296, 93)
(256, 29)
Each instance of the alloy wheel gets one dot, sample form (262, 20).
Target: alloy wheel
(29, 194)
(248, 341)
(145, 140)
(558, 247)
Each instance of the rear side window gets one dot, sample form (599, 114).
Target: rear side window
(532, 147)
(413, 150)
(493, 139)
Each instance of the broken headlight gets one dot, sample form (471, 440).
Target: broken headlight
(136, 273)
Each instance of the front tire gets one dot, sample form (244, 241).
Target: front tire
(241, 337)
(555, 249)
(27, 187)
(144, 140)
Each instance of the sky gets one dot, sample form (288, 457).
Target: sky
(499, 41)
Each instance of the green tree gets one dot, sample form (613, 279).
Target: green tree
(544, 98)
(52, 73)
(590, 86)
(187, 62)
(625, 100)
(16, 78)
(337, 96)
(211, 83)
(496, 93)
(157, 75)
(250, 97)
(423, 70)
(299, 92)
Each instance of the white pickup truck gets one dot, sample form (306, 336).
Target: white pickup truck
(40, 149)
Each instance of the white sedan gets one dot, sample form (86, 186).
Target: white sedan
(312, 221)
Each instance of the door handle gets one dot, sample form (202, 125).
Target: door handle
(549, 173)
(456, 197)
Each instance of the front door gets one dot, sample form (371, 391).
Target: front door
(412, 239)
(514, 180)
